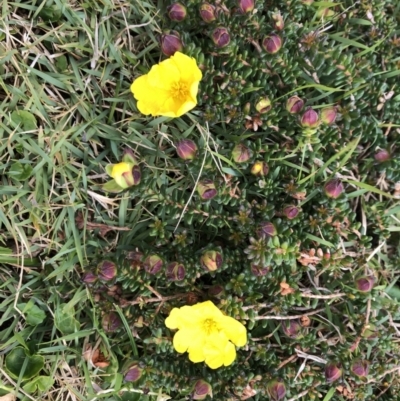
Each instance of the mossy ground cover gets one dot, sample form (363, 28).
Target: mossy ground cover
(287, 217)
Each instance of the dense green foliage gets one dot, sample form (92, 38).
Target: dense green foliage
(291, 249)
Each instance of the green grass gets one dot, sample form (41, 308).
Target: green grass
(66, 111)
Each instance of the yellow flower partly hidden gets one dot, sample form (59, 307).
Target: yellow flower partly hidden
(170, 88)
(125, 174)
(206, 334)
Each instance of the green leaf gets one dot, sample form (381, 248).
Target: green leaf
(111, 186)
(330, 394)
(369, 188)
(19, 363)
(40, 383)
(34, 315)
(25, 119)
(19, 171)
(64, 320)
(51, 13)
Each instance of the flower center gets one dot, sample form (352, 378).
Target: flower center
(179, 91)
(210, 326)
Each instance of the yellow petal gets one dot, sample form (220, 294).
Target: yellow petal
(187, 66)
(184, 317)
(214, 350)
(234, 330)
(229, 354)
(185, 338)
(208, 310)
(196, 349)
(163, 75)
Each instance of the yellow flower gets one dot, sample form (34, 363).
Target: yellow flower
(170, 88)
(206, 334)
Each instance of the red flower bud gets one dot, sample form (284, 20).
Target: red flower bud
(246, 6)
(294, 105)
(153, 264)
(360, 367)
(334, 188)
(291, 211)
(278, 21)
(107, 270)
(272, 44)
(186, 149)
(206, 189)
(216, 291)
(176, 12)
(171, 42)
(382, 155)
(259, 270)
(221, 37)
(276, 390)
(241, 153)
(292, 329)
(328, 115)
(365, 283)
(175, 271)
(89, 278)
(207, 12)
(310, 119)
(211, 260)
(266, 230)
(201, 390)
(332, 372)
(133, 373)
(111, 322)
(263, 105)
(260, 168)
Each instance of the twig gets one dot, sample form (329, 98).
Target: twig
(274, 317)
(152, 300)
(317, 296)
(384, 374)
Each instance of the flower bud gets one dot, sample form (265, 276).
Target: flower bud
(175, 271)
(207, 12)
(292, 328)
(241, 153)
(89, 278)
(186, 149)
(171, 42)
(107, 270)
(272, 44)
(365, 283)
(294, 105)
(260, 168)
(201, 390)
(334, 188)
(221, 37)
(291, 211)
(259, 270)
(263, 105)
(328, 115)
(211, 260)
(310, 119)
(216, 291)
(307, 2)
(153, 264)
(133, 373)
(125, 174)
(266, 230)
(382, 155)
(332, 372)
(276, 390)
(176, 12)
(206, 189)
(278, 21)
(111, 322)
(360, 368)
(246, 6)
(371, 332)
